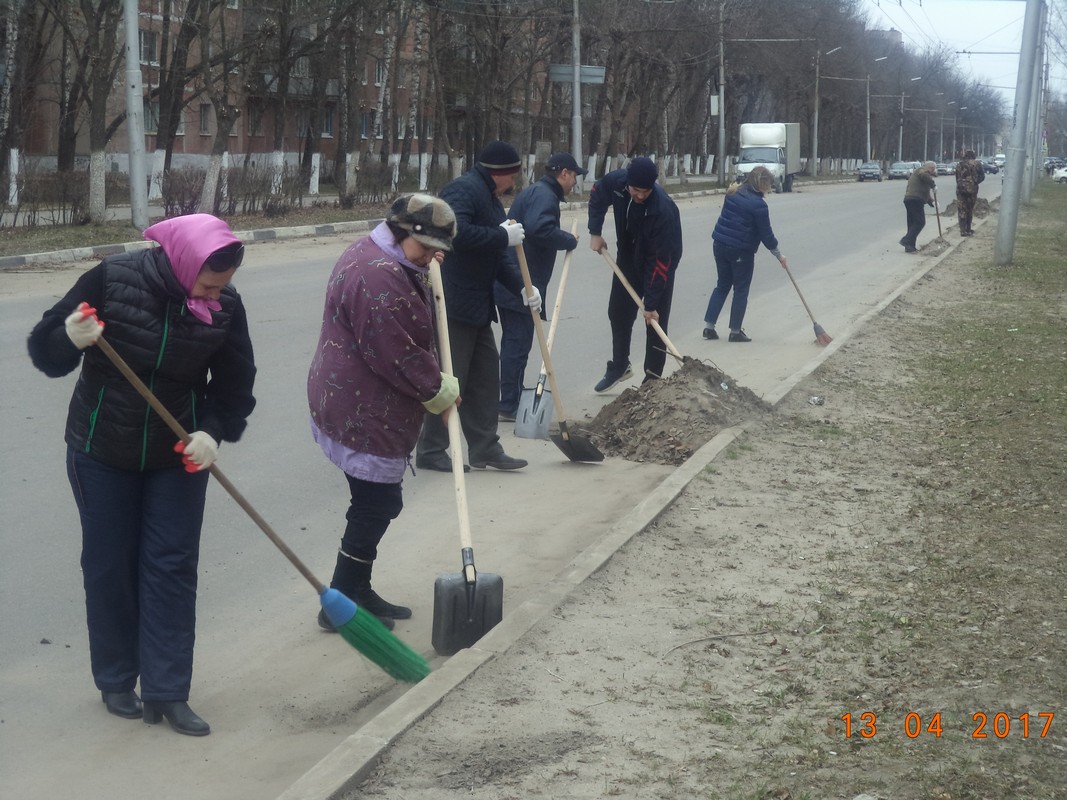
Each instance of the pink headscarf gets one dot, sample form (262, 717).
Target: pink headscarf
(188, 241)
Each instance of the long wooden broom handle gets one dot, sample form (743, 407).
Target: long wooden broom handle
(454, 431)
(800, 294)
(654, 323)
(179, 431)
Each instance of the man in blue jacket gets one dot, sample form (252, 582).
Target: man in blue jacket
(649, 232)
(537, 210)
(482, 253)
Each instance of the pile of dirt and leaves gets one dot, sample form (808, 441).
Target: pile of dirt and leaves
(666, 421)
(859, 599)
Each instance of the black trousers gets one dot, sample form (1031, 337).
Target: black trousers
(622, 312)
(476, 364)
(916, 219)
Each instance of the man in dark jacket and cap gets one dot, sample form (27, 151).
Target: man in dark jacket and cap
(649, 231)
(482, 253)
(537, 210)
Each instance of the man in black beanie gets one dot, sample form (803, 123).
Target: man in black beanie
(482, 253)
(649, 232)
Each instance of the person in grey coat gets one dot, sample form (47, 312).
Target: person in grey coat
(537, 210)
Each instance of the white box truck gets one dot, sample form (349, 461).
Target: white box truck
(774, 145)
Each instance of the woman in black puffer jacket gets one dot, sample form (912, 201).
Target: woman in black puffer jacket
(172, 315)
(744, 223)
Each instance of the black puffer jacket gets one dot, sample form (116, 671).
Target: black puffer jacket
(480, 254)
(203, 374)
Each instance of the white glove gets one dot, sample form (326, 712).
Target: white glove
(516, 233)
(534, 303)
(83, 327)
(199, 452)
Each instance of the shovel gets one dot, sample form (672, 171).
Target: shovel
(654, 323)
(937, 211)
(467, 604)
(533, 416)
(574, 446)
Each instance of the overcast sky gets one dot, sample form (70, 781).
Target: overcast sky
(980, 27)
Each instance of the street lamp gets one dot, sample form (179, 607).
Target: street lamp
(815, 118)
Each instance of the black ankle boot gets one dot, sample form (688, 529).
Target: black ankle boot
(351, 577)
(122, 704)
(369, 599)
(178, 714)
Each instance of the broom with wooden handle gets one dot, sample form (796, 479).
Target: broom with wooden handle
(357, 626)
(821, 336)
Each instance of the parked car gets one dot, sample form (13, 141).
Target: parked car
(900, 169)
(1060, 175)
(990, 167)
(869, 171)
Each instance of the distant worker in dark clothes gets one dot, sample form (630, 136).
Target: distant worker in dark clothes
(537, 209)
(744, 223)
(483, 252)
(173, 317)
(920, 192)
(649, 233)
(374, 376)
(969, 174)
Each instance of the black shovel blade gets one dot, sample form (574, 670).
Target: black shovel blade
(462, 617)
(575, 446)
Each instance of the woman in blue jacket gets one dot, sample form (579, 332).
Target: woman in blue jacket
(744, 223)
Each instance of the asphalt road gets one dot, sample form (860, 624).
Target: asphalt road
(279, 693)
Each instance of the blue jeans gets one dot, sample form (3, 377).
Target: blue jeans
(516, 339)
(140, 549)
(735, 268)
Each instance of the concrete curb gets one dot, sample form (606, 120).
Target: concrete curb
(354, 759)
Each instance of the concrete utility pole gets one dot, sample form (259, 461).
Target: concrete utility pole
(815, 116)
(1004, 247)
(721, 155)
(576, 92)
(135, 120)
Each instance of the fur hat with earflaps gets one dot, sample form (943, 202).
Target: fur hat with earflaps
(429, 220)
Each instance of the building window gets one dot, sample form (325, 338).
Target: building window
(255, 122)
(379, 72)
(205, 118)
(364, 124)
(151, 116)
(149, 43)
(327, 122)
(232, 4)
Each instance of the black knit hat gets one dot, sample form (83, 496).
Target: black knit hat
(429, 219)
(642, 173)
(500, 158)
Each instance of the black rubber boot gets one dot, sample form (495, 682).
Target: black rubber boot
(351, 577)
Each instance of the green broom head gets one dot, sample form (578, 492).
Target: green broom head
(363, 631)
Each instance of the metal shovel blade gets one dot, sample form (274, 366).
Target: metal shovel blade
(464, 613)
(575, 446)
(534, 414)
